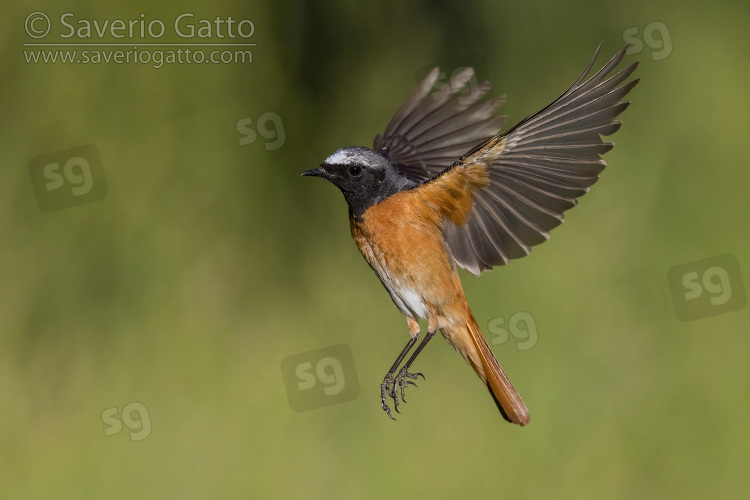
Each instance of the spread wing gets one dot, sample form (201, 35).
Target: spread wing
(432, 129)
(537, 169)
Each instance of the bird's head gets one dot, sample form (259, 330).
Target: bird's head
(364, 176)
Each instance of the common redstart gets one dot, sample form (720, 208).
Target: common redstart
(443, 188)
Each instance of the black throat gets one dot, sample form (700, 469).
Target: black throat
(380, 188)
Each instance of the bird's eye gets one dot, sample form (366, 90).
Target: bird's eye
(355, 170)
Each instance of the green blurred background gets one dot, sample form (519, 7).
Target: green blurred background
(209, 262)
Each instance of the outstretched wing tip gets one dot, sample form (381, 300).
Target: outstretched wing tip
(549, 160)
(431, 77)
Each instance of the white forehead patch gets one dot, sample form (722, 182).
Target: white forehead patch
(345, 156)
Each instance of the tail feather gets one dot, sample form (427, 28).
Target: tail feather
(508, 401)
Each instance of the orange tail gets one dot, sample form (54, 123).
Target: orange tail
(507, 399)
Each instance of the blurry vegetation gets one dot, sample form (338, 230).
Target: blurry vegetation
(209, 262)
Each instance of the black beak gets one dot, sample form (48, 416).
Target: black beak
(317, 172)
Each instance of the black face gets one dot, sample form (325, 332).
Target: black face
(364, 176)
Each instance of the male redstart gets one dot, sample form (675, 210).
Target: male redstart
(443, 188)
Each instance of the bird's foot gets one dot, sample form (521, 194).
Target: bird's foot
(394, 388)
(402, 382)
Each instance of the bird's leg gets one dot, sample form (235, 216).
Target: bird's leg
(388, 387)
(400, 382)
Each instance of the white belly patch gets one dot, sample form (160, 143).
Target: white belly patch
(407, 299)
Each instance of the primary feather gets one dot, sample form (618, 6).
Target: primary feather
(536, 170)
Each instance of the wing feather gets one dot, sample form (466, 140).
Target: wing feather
(536, 170)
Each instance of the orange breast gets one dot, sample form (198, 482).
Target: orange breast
(401, 238)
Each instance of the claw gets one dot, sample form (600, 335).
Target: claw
(388, 411)
(395, 400)
(385, 389)
(401, 382)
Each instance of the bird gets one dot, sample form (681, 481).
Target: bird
(443, 188)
